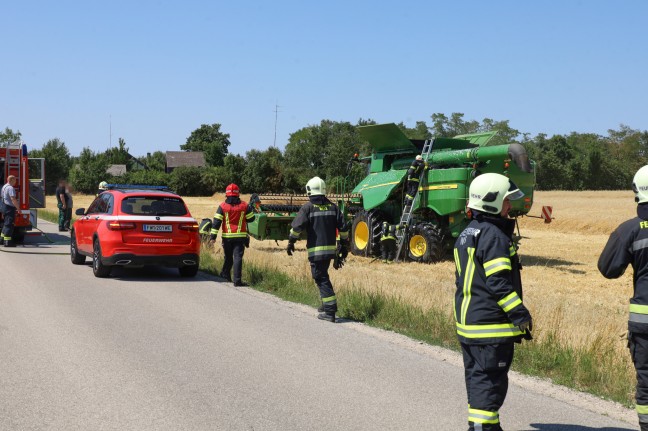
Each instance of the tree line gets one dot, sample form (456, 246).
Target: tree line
(576, 161)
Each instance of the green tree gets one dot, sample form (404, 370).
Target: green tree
(118, 155)
(187, 180)
(234, 165)
(442, 126)
(210, 140)
(88, 171)
(420, 131)
(57, 162)
(155, 161)
(8, 136)
(324, 150)
(263, 171)
(214, 180)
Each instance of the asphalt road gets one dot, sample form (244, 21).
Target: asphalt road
(147, 350)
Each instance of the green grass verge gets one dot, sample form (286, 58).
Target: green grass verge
(594, 369)
(50, 215)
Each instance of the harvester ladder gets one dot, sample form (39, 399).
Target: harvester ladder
(406, 216)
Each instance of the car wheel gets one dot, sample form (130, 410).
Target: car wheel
(98, 269)
(76, 257)
(188, 271)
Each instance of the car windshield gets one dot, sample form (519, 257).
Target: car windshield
(153, 205)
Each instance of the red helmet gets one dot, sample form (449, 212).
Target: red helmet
(232, 190)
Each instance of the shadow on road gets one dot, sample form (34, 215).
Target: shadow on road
(563, 427)
(158, 274)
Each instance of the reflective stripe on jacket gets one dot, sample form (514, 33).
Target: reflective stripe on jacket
(488, 304)
(628, 245)
(322, 221)
(234, 218)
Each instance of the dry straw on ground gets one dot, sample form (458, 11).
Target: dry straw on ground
(563, 287)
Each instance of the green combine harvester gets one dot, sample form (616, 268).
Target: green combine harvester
(438, 213)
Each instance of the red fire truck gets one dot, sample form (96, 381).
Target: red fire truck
(30, 184)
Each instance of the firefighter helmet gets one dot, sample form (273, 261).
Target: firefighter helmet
(103, 185)
(488, 191)
(640, 185)
(419, 157)
(315, 187)
(232, 190)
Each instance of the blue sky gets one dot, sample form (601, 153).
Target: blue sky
(156, 70)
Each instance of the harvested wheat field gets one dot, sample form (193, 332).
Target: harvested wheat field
(563, 288)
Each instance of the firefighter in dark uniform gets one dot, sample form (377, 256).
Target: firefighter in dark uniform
(10, 205)
(628, 245)
(488, 308)
(322, 220)
(388, 242)
(234, 215)
(413, 179)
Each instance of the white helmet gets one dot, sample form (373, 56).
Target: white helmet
(488, 191)
(419, 157)
(640, 185)
(315, 187)
(103, 185)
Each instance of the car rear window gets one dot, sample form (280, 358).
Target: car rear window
(153, 205)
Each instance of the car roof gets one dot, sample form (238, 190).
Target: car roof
(144, 192)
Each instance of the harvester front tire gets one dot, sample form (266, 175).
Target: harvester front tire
(426, 243)
(365, 233)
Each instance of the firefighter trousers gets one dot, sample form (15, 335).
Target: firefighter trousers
(319, 271)
(412, 188)
(233, 249)
(9, 220)
(486, 370)
(388, 249)
(638, 345)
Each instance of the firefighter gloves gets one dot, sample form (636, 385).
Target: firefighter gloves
(290, 249)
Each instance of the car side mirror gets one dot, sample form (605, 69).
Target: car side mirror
(80, 211)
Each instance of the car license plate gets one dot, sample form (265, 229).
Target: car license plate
(158, 228)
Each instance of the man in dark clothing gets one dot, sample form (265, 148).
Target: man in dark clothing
(413, 179)
(10, 204)
(234, 215)
(61, 203)
(322, 220)
(488, 308)
(628, 245)
(388, 242)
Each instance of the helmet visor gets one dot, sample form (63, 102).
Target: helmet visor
(513, 193)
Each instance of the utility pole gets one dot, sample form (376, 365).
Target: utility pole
(276, 111)
(110, 131)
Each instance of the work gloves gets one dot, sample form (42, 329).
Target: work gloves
(341, 253)
(290, 249)
(212, 237)
(526, 328)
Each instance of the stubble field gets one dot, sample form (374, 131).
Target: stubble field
(568, 298)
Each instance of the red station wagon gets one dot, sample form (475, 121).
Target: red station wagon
(136, 227)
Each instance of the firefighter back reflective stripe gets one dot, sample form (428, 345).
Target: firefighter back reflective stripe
(467, 283)
(234, 225)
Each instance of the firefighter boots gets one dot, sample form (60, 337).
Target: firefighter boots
(327, 317)
(9, 243)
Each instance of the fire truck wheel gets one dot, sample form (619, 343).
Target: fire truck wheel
(426, 243)
(98, 269)
(76, 257)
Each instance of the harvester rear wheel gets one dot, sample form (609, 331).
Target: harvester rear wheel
(365, 233)
(425, 243)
